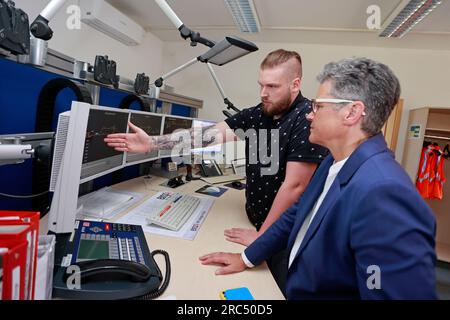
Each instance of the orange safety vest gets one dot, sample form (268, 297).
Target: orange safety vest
(438, 183)
(432, 170)
(426, 172)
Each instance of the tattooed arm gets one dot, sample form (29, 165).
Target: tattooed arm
(197, 137)
(140, 142)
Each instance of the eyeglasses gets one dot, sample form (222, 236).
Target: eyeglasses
(316, 103)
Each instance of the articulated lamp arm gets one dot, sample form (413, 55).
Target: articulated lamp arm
(40, 28)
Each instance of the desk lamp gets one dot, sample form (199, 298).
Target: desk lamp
(220, 53)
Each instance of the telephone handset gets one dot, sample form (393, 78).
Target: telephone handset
(113, 269)
(109, 261)
(210, 168)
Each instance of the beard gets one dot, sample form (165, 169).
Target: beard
(271, 109)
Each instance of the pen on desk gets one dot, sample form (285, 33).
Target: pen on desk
(177, 199)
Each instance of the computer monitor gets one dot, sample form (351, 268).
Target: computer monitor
(152, 124)
(171, 125)
(212, 150)
(98, 158)
(81, 155)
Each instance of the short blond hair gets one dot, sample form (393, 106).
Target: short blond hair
(280, 56)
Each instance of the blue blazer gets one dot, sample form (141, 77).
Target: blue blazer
(372, 219)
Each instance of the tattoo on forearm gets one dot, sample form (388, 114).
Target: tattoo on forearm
(199, 138)
(209, 136)
(163, 142)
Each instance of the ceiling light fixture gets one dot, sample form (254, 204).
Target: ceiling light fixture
(408, 17)
(244, 15)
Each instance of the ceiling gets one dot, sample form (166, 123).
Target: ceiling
(340, 22)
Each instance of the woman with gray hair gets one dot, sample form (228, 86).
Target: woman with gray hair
(360, 230)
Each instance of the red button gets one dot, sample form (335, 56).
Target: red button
(107, 227)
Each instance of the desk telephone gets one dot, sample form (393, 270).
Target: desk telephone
(111, 260)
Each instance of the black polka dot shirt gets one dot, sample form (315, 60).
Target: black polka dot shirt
(293, 145)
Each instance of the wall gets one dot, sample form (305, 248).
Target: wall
(422, 73)
(86, 43)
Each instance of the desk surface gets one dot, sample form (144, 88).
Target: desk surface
(190, 279)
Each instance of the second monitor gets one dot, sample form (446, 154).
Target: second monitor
(151, 124)
(171, 125)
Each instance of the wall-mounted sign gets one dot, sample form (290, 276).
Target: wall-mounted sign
(414, 131)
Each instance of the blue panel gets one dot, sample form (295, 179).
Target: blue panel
(181, 110)
(130, 172)
(19, 95)
(103, 182)
(20, 86)
(111, 98)
(63, 103)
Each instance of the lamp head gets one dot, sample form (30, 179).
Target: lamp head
(227, 50)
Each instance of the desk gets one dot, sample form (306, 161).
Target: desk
(190, 279)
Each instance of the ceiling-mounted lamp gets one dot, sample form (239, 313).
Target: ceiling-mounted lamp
(227, 50)
(244, 15)
(220, 53)
(223, 52)
(408, 17)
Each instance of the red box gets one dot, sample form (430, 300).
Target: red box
(30, 219)
(14, 259)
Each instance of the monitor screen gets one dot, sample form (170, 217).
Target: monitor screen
(93, 250)
(171, 124)
(151, 124)
(97, 156)
(212, 149)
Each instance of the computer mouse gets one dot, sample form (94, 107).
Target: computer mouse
(237, 184)
(213, 189)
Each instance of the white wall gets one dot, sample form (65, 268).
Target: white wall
(423, 75)
(86, 43)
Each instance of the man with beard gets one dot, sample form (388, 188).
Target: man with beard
(278, 128)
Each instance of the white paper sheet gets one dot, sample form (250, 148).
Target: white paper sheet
(106, 203)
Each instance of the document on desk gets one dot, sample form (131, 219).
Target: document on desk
(188, 231)
(106, 203)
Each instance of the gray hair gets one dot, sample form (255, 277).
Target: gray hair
(368, 81)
